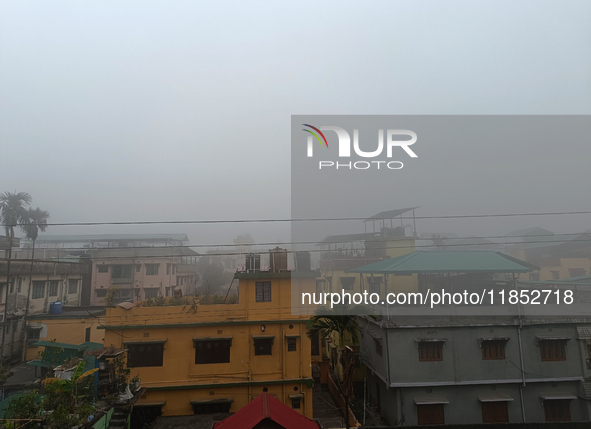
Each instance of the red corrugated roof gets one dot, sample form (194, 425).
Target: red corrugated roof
(266, 407)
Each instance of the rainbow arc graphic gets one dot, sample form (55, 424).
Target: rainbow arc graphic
(315, 135)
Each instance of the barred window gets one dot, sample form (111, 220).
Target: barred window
(263, 291)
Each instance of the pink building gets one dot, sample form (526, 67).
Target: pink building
(139, 274)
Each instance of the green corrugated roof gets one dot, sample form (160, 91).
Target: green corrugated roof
(447, 261)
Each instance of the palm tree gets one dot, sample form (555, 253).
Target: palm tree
(12, 213)
(36, 221)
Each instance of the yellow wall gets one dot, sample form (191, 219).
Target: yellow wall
(180, 380)
(71, 331)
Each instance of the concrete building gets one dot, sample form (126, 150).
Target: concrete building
(66, 281)
(201, 359)
(137, 274)
(479, 364)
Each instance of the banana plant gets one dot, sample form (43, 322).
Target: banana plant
(68, 387)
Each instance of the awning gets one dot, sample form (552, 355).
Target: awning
(227, 400)
(494, 397)
(150, 404)
(584, 332)
(430, 399)
(292, 336)
(376, 335)
(430, 340)
(197, 339)
(263, 337)
(296, 396)
(147, 341)
(556, 396)
(549, 338)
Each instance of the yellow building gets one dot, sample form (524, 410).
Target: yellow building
(217, 358)
(74, 325)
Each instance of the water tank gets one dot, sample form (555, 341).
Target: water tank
(278, 260)
(303, 261)
(55, 307)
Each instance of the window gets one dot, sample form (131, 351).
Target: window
(315, 344)
(87, 335)
(121, 271)
(553, 350)
(430, 414)
(534, 277)
(493, 350)
(576, 272)
(101, 293)
(53, 285)
(167, 269)
(38, 290)
(102, 268)
(379, 348)
(212, 351)
(145, 354)
(430, 351)
(292, 345)
(263, 291)
(320, 285)
(347, 283)
(555, 275)
(138, 268)
(33, 335)
(152, 269)
(495, 412)
(72, 286)
(11, 290)
(374, 284)
(557, 410)
(296, 403)
(20, 284)
(151, 293)
(263, 346)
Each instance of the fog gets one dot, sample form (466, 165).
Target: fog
(167, 111)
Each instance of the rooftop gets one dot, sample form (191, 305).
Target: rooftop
(448, 261)
(389, 214)
(77, 238)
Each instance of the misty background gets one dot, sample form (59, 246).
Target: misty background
(167, 111)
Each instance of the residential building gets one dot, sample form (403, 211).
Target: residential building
(202, 359)
(472, 364)
(74, 325)
(65, 281)
(137, 274)
(557, 256)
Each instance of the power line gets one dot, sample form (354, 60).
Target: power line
(277, 243)
(179, 255)
(173, 222)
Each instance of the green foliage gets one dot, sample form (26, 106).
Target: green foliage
(111, 297)
(61, 418)
(122, 372)
(25, 406)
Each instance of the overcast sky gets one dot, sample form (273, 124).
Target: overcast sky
(125, 110)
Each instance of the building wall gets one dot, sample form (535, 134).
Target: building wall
(65, 330)
(463, 374)
(180, 380)
(139, 282)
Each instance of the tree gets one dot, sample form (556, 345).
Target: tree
(36, 221)
(13, 209)
(341, 319)
(68, 388)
